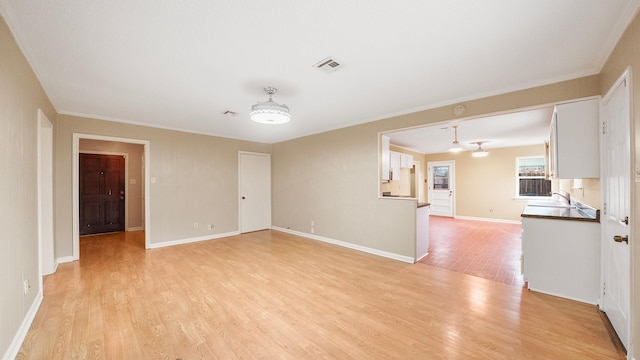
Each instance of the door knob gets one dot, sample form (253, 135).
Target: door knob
(243, 198)
(620, 238)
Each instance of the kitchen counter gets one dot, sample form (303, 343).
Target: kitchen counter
(553, 210)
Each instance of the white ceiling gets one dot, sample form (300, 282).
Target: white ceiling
(181, 64)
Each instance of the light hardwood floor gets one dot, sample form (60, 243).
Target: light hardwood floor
(269, 295)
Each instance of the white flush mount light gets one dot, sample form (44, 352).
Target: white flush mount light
(270, 112)
(479, 152)
(456, 144)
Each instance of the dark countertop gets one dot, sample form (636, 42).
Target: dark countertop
(423, 205)
(577, 213)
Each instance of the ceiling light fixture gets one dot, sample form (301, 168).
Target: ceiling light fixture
(270, 112)
(456, 144)
(479, 152)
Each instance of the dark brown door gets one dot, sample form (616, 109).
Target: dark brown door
(101, 193)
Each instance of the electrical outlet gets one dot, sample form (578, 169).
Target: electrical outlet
(313, 223)
(195, 225)
(26, 286)
(313, 230)
(210, 227)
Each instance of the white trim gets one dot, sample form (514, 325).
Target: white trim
(76, 186)
(386, 254)
(18, 339)
(192, 240)
(135, 228)
(422, 257)
(65, 259)
(503, 221)
(563, 296)
(126, 178)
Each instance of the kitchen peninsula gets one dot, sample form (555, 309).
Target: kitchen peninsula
(561, 249)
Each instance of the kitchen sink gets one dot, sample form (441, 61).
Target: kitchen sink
(553, 204)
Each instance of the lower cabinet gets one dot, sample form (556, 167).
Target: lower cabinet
(562, 258)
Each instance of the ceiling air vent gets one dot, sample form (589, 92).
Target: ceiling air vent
(329, 64)
(229, 113)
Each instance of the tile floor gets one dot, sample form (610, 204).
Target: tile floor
(485, 249)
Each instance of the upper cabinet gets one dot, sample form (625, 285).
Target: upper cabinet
(574, 151)
(385, 159)
(392, 161)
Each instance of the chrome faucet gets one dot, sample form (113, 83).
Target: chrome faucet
(566, 197)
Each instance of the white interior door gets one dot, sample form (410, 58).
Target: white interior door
(255, 191)
(616, 209)
(442, 188)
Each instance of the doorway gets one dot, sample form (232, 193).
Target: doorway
(76, 185)
(45, 195)
(442, 187)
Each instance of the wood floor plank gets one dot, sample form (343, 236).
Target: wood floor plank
(269, 295)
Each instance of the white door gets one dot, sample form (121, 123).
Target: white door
(442, 188)
(255, 191)
(616, 208)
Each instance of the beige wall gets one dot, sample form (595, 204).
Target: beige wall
(627, 53)
(135, 179)
(21, 95)
(196, 179)
(486, 187)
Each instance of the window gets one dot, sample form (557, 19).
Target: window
(531, 179)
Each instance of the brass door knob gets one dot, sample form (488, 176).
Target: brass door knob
(620, 238)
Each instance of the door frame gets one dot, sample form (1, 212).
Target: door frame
(46, 249)
(76, 186)
(452, 182)
(634, 179)
(126, 180)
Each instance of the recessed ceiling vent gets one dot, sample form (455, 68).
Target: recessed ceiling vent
(329, 65)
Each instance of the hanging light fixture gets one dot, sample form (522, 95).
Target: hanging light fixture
(270, 112)
(479, 152)
(456, 144)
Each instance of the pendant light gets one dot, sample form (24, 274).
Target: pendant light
(479, 152)
(270, 112)
(456, 144)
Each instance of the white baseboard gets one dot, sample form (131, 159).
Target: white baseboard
(135, 228)
(192, 240)
(564, 297)
(368, 250)
(15, 345)
(63, 260)
(423, 256)
(504, 221)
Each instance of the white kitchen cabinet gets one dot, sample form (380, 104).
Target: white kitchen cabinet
(574, 151)
(395, 160)
(562, 257)
(406, 160)
(385, 157)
